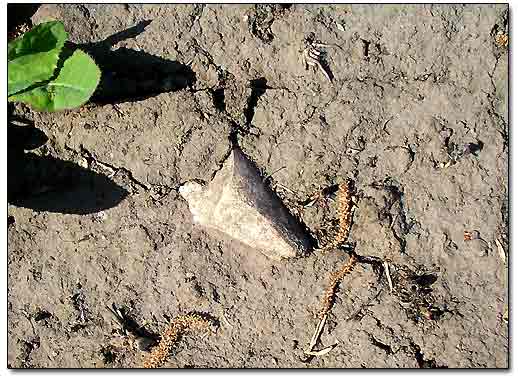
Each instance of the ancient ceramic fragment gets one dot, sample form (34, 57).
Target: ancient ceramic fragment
(237, 202)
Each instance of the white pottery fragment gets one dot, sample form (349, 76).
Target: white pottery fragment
(237, 202)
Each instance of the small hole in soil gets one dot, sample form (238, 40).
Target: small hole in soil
(218, 98)
(108, 355)
(41, 315)
(366, 45)
(425, 280)
(426, 363)
(259, 87)
(474, 148)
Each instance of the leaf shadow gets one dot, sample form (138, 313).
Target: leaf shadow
(132, 75)
(45, 183)
(19, 13)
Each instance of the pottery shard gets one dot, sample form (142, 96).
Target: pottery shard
(237, 202)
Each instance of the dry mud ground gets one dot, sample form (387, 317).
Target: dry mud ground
(416, 116)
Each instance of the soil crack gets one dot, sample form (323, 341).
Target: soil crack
(90, 158)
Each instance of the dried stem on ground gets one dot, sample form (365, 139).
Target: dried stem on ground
(336, 278)
(344, 212)
(171, 336)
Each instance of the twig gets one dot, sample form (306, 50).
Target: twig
(270, 175)
(501, 250)
(387, 273)
(317, 333)
(316, 337)
(322, 352)
(225, 319)
(394, 220)
(285, 188)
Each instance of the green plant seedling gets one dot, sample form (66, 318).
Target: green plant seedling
(36, 77)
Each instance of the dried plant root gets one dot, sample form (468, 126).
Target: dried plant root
(344, 212)
(336, 278)
(171, 336)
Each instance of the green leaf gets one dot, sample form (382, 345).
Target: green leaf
(33, 57)
(41, 38)
(72, 88)
(28, 70)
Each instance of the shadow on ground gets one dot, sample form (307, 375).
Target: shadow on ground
(20, 13)
(45, 183)
(131, 75)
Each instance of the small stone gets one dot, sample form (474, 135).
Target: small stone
(83, 162)
(100, 216)
(238, 203)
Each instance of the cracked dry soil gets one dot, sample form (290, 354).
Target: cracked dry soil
(416, 116)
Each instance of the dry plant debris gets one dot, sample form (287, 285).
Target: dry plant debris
(345, 214)
(327, 304)
(471, 235)
(505, 315)
(502, 40)
(315, 338)
(171, 336)
(130, 333)
(387, 273)
(501, 251)
(336, 278)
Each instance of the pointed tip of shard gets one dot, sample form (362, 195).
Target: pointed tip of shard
(238, 203)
